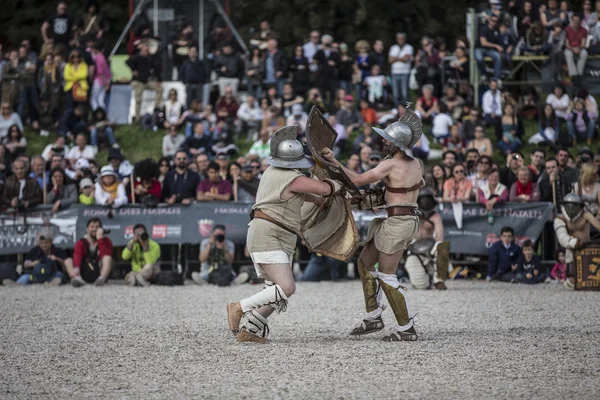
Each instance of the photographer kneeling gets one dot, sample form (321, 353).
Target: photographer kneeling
(92, 257)
(144, 254)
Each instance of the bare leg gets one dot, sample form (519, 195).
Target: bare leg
(106, 266)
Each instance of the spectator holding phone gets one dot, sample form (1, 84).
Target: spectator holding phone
(144, 254)
(92, 257)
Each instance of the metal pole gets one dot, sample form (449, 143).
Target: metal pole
(201, 30)
(156, 18)
(223, 14)
(133, 17)
(473, 72)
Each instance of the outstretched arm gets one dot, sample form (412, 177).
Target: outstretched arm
(371, 176)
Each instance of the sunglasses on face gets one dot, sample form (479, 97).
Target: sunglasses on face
(484, 162)
(181, 159)
(164, 165)
(459, 171)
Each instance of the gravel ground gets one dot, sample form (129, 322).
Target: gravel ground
(478, 340)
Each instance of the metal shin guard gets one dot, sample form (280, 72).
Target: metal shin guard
(255, 323)
(397, 303)
(442, 260)
(370, 287)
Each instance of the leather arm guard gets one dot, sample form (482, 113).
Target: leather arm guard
(334, 185)
(562, 235)
(368, 200)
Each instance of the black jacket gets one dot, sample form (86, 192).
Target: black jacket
(193, 72)
(234, 66)
(183, 186)
(326, 70)
(146, 67)
(279, 62)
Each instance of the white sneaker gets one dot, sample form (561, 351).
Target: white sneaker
(100, 281)
(197, 278)
(9, 282)
(77, 282)
(241, 279)
(141, 280)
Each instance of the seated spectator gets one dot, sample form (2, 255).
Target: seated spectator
(491, 103)
(197, 114)
(179, 184)
(222, 160)
(482, 144)
(459, 68)
(298, 117)
(457, 188)
(120, 165)
(172, 142)
(508, 174)
(289, 99)
(470, 122)
(8, 119)
(174, 109)
(38, 171)
(61, 193)
(566, 164)
(194, 75)
(427, 64)
(366, 138)
(275, 100)
(560, 102)
(559, 271)
(438, 177)
(581, 123)
(92, 257)
(507, 43)
(146, 70)
(250, 116)
(455, 142)
(441, 124)
(588, 188)
(489, 46)
(146, 187)
(227, 106)
(72, 123)
(45, 263)
(453, 102)
(367, 112)
(348, 115)
(76, 81)
(427, 105)
(503, 257)
(58, 147)
(20, 190)
(509, 130)
(199, 142)
(314, 98)
(230, 68)
(529, 268)
(216, 259)
(245, 186)
(272, 119)
(449, 158)
(144, 254)
(109, 192)
(480, 172)
(14, 143)
(556, 46)
(493, 192)
(536, 40)
(548, 127)
(524, 190)
(575, 47)
(87, 188)
(376, 86)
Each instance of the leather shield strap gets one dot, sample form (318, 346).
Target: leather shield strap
(402, 210)
(331, 187)
(404, 190)
(257, 214)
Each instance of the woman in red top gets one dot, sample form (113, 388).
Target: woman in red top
(524, 189)
(367, 113)
(427, 105)
(146, 182)
(457, 188)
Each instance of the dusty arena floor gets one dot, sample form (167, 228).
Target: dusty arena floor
(478, 340)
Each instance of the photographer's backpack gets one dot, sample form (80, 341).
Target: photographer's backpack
(90, 267)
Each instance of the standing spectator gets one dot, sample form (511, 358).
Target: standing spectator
(164, 166)
(255, 73)
(503, 257)
(428, 65)
(576, 35)
(102, 126)
(493, 192)
(489, 46)
(194, 75)
(536, 167)
(509, 130)
(144, 254)
(19, 189)
(179, 185)
(50, 86)
(346, 69)
(91, 24)
(491, 104)
(311, 47)
(230, 68)
(460, 66)
(146, 186)
(427, 105)
(172, 142)
(457, 188)
(28, 93)
(10, 76)
(250, 116)
(8, 119)
(58, 28)
(81, 149)
(147, 71)
(14, 143)
(299, 66)
(76, 81)
(275, 66)
(262, 37)
(524, 190)
(328, 61)
(92, 256)
(363, 60)
(548, 127)
(214, 188)
(556, 45)
(441, 123)
(61, 194)
(581, 123)
(571, 173)
(180, 42)
(526, 17)
(400, 58)
(377, 54)
(102, 78)
(109, 191)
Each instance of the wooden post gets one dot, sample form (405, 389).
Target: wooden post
(235, 188)
(44, 188)
(554, 193)
(131, 177)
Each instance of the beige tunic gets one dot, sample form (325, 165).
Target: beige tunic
(393, 234)
(264, 236)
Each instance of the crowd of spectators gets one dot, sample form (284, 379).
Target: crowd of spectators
(64, 90)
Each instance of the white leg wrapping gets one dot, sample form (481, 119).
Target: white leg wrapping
(270, 296)
(392, 280)
(417, 274)
(255, 323)
(376, 314)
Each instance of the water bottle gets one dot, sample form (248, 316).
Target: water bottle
(490, 217)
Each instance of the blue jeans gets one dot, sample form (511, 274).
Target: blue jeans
(480, 54)
(400, 88)
(317, 264)
(194, 91)
(589, 133)
(346, 85)
(506, 147)
(108, 134)
(28, 95)
(255, 90)
(26, 279)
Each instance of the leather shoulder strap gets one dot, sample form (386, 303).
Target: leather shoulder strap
(404, 190)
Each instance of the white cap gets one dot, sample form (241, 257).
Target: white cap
(108, 170)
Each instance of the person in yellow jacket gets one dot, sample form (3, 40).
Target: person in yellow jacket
(76, 80)
(144, 254)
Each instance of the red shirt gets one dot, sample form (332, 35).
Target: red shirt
(231, 108)
(575, 37)
(155, 190)
(369, 115)
(221, 187)
(105, 248)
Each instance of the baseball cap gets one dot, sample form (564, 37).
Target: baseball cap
(85, 182)
(82, 163)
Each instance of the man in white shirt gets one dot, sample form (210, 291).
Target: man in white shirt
(442, 123)
(172, 142)
(250, 115)
(400, 58)
(261, 148)
(81, 149)
(298, 117)
(491, 103)
(310, 48)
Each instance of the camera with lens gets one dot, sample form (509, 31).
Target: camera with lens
(144, 236)
(585, 159)
(220, 238)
